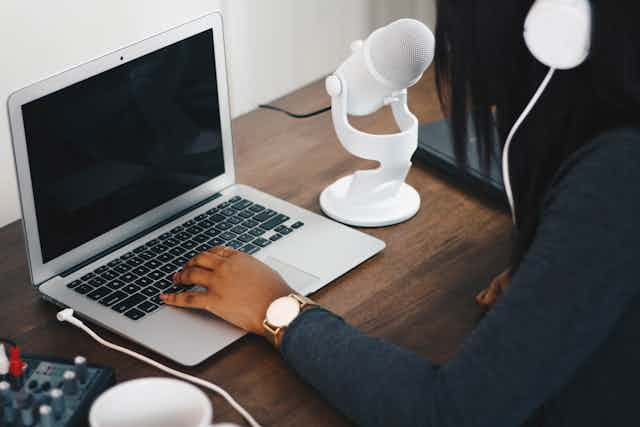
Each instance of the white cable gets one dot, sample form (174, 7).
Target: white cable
(67, 316)
(506, 175)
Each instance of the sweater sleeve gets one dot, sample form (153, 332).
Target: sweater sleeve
(570, 290)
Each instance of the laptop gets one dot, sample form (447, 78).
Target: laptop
(125, 169)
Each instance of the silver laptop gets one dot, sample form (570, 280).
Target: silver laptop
(126, 170)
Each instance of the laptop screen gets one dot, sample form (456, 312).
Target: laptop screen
(110, 148)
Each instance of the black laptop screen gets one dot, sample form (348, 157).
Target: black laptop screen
(114, 146)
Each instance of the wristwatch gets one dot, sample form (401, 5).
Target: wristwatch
(281, 313)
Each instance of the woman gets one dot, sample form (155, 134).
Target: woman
(560, 343)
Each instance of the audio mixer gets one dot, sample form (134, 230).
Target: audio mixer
(48, 392)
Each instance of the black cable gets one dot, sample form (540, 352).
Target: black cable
(294, 115)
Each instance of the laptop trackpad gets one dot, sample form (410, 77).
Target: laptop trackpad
(297, 279)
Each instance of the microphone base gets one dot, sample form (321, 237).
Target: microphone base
(399, 208)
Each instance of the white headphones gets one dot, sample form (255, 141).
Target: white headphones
(558, 34)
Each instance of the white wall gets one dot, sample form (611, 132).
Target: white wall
(274, 46)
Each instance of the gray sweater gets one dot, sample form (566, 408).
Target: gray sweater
(560, 348)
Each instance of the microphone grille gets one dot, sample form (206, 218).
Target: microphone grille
(402, 51)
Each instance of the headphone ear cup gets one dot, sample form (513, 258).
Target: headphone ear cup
(558, 32)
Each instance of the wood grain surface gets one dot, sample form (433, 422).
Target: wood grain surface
(418, 293)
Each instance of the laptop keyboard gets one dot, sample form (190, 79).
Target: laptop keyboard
(131, 285)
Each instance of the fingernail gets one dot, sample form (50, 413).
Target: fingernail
(164, 297)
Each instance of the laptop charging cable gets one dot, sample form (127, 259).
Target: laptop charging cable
(67, 316)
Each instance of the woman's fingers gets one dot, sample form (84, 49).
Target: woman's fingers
(187, 299)
(194, 276)
(206, 260)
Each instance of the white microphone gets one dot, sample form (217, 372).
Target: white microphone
(378, 73)
(391, 59)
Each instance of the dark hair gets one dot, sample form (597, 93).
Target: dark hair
(485, 72)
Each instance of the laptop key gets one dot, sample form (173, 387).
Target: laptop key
(246, 214)
(168, 268)
(216, 242)
(165, 257)
(257, 208)
(190, 254)
(201, 217)
(183, 236)
(265, 215)
(284, 230)
(228, 236)
(83, 289)
(74, 284)
(204, 247)
(158, 249)
(276, 237)
(189, 244)
(152, 243)
(235, 199)
(102, 269)
(143, 281)
(212, 233)
(141, 271)
(109, 275)
(163, 284)
(234, 220)
(129, 277)
(258, 232)
(189, 223)
(201, 238)
(236, 244)
(157, 301)
(129, 303)
(154, 263)
(262, 242)
(239, 229)
(165, 236)
(134, 314)
(127, 256)
(148, 307)
(250, 223)
(171, 242)
(274, 222)
(114, 262)
(224, 226)
(134, 262)
(156, 275)
(177, 251)
(217, 217)
(243, 204)
(195, 230)
(97, 281)
(113, 298)
(177, 229)
(122, 268)
(140, 249)
(116, 284)
(150, 292)
(250, 249)
(205, 224)
(99, 293)
(297, 225)
(131, 289)
(147, 255)
(246, 238)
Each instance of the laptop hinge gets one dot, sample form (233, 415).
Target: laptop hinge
(139, 235)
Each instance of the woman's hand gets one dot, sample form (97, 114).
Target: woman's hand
(239, 288)
(488, 297)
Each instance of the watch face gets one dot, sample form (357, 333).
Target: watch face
(282, 311)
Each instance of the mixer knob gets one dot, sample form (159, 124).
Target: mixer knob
(24, 403)
(8, 411)
(70, 385)
(57, 403)
(46, 416)
(82, 372)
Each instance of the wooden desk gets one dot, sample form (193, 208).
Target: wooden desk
(418, 293)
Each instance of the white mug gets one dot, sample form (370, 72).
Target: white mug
(152, 402)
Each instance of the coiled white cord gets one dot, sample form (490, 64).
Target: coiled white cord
(67, 316)
(506, 174)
